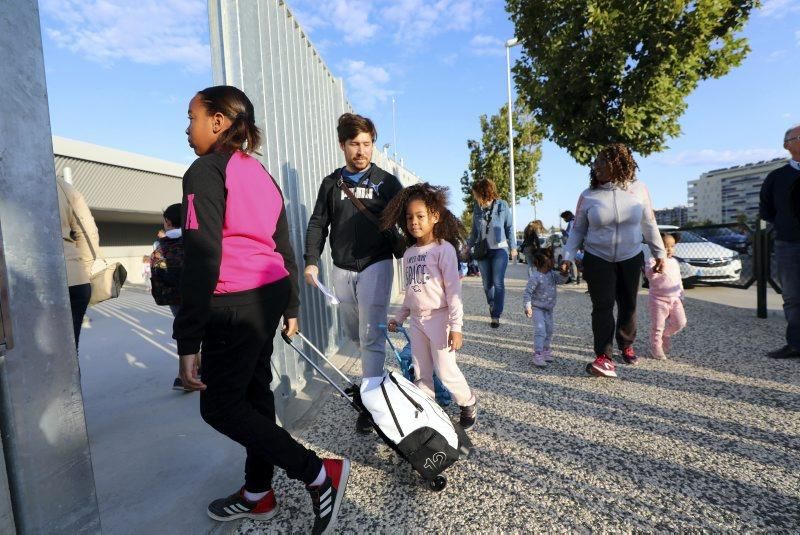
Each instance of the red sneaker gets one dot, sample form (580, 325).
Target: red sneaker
(327, 498)
(629, 356)
(603, 367)
(237, 506)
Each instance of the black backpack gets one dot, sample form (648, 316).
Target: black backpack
(166, 265)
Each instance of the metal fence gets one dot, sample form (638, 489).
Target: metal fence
(772, 265)
(721, 255)
(735, 255)
(258, 46)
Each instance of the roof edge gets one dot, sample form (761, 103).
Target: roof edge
(95, 153)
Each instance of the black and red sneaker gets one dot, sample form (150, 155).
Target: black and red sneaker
(602, 366)
(237, 506)
(327, 498)
(629, 356)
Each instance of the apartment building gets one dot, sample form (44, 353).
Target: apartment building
(723, 195)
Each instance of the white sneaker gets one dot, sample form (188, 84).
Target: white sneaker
(538, 360)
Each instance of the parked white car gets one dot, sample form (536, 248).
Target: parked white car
(701, 260)
(556, 241)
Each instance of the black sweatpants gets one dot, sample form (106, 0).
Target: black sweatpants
(79, 297)
(238, 401)
(609, 283)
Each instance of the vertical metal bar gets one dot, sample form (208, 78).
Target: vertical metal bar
(45, 444)
(761, 265)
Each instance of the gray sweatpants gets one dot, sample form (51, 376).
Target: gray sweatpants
(542, 328)
(364, 304)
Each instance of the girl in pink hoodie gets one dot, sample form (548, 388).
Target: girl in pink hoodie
(433, 290)
(667, 316)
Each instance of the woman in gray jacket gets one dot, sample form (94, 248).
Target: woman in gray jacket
(491, 219)
(610, 220)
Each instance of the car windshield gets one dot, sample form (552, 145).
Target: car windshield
(690, 237)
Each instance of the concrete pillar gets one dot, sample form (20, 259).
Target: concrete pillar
(44, 439)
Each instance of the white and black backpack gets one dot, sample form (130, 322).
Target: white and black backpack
(418, 427)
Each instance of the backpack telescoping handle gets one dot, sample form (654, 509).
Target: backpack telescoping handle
(319, 370)
(400, 329)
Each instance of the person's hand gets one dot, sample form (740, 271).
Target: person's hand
(290, 326)
(658, 267)
(565, 265)
(392, 326)
(188, 370)
(454, 341)
(311, 273)
(513, 254)
(528, 312)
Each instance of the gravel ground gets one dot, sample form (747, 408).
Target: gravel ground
(708, 440)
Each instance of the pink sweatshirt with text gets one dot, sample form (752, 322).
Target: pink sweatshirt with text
(432, 282)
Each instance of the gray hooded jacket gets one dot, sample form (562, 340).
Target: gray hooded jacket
(610, 223)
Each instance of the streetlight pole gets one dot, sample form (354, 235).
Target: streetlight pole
(394, 129)
(510, 43)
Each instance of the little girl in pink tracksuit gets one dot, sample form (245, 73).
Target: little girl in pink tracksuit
(433, 291)
(667, 316)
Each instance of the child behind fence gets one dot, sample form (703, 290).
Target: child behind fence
(540, 300)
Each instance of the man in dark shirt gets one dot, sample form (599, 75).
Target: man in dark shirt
(362, 255)
(776, 206)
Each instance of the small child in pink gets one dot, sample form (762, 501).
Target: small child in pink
(433, 291)
(667, 316)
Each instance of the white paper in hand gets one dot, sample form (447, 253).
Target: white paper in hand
(327, 292)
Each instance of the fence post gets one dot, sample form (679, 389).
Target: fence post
(44, 439)
(760, 259)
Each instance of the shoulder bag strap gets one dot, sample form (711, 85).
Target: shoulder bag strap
(78, 219)
(489, 219)
(357, 202)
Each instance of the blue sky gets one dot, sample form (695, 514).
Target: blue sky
(121, 76)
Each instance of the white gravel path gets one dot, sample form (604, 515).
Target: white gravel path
(706, 441)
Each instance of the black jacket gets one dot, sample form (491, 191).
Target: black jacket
(775, 203)
(355, 240)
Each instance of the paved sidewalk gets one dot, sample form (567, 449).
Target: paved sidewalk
(708, 440)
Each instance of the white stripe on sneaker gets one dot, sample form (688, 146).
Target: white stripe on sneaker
(230, 510)
(326, 494)
(240, 508)
(325, 512)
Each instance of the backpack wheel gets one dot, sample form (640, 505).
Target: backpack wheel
(437, 484)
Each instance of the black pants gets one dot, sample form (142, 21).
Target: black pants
(79, 296)
(238, 401)
(609, 283)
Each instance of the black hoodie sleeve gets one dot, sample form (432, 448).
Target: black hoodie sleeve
(283, 245)
(391, 187)
(317, 231)
(203, 217)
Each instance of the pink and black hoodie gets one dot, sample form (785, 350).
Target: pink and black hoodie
(236, 239)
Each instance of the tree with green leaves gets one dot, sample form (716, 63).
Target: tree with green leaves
(600, 71)
(488, 157)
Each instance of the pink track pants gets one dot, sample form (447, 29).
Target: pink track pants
(431, 354)
(667, 318)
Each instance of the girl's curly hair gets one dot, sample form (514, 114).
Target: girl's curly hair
(449, 227)
(619, 158)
